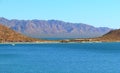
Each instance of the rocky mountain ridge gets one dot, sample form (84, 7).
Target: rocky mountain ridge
(54, 28)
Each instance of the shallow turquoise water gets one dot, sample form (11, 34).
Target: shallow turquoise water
(60, 58)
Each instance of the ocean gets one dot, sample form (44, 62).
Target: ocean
(60, 58)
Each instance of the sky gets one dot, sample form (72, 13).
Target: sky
(98, 13)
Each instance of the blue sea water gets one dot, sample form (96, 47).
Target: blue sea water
(60, 58)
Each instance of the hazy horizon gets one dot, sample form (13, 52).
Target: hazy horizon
(103, 13)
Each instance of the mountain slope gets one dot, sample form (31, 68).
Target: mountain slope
(8, 35)
(53, 28)
(113, 35)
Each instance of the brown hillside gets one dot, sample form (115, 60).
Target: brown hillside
(8, 35)
(113, 35)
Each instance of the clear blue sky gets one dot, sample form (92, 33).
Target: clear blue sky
(94, 12)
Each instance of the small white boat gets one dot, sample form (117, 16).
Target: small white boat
(13, 44)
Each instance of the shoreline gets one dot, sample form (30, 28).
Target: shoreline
(13, 43)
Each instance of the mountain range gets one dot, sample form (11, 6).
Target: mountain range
(54, 28)
(9, 35)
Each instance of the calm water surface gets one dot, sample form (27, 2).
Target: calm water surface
(60, 58)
